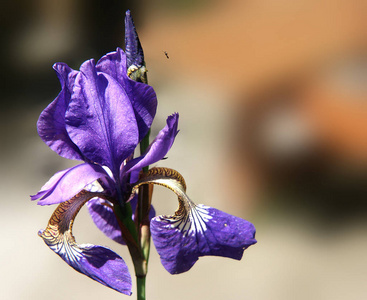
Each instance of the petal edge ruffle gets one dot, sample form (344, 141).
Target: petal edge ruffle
(51, 123)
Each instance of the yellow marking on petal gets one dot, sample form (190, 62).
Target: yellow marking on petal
(162, 173)
(59, 228)
(172, 180)
(189, 218)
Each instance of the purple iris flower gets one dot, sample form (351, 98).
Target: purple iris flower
(102, 113)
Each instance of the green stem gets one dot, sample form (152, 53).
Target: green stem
(144, 200)
(143, 207)
(144, 144)
(142, 211)
(140, 283)
(125, 217)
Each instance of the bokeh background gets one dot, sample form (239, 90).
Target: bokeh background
(272, 97)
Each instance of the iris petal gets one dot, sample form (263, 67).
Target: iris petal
(50, 184)
(99, 263)
(181, 239)
(194, 230)
(51, 123)
(158, 148)
(142, 96)
(102, 215)
(134, 51)
(100, 118)
(67, 183)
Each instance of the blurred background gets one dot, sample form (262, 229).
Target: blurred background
(273, 119)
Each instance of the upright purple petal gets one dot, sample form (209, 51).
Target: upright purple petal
(144, 101)
(98, 263)
(142, 96)
(100, 119)
(51, 123)
(134, 51)
(114, 64)
(158, 148)
(66, 184)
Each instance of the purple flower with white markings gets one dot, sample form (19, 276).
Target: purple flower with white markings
(103, 112)
(194, 230)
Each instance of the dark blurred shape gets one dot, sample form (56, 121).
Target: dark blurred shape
(36, 34)
(305, 138)
(104, 21)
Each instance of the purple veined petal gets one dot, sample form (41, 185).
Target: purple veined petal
(67, 183)
(100, 119)
(134, 51)
(194, 230)
(51, 123)
(181, 239)
(158, 148)
(144, 101)
(102, 215)
(96, 262)
(142, 96)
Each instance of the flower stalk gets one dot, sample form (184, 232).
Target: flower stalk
(140, 281)
(143, 230)
(142, 210)
(137, 72)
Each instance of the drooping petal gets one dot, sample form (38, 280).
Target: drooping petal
(134, 51)
(158, 148)
(100, 119)
(67, 183)
(102, 215)
(181, 239)
(194, 230)
(51, 123)
(99, 263)
(142, 96)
